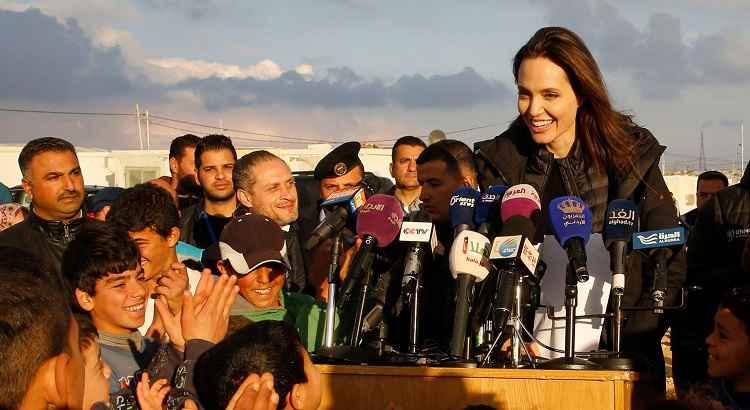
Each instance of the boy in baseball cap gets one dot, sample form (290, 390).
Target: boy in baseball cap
(250, 247)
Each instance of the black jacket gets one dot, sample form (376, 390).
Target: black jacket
(45, 239)
(188, 219)
(715, 249)
(513, 158)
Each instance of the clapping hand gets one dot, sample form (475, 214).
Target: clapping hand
(255, 393)
(204, 316)
(172, 285)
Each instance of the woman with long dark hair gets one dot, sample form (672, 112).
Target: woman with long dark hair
(569, 140)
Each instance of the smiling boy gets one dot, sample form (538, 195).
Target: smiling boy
(102, 270)
(250, 248)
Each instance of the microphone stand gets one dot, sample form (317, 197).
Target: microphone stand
(569, 361)
(414, 291)
(516, 314)
(331, 307)
(367, 268)
(328, 352)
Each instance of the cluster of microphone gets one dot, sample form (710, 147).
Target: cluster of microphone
(494, 232)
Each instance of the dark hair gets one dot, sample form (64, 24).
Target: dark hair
(737, 300)
(40, 146)
(264, 347)
(178, 145)
(243, 175)
(462, 153)
(713, 176)
(98, 250)
(436, 152)
(34, 322)
(213, 142)
(603, 132)
(406, 140)
(145, 206)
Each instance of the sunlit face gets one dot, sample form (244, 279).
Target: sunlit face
(728, 347)
(97, 374)
(438, 186)
(118, 305)
(547, 103)
(404, 166)
(706, 188)
(215, 174)
(155, 250)
(273, 193)
(262, 287)
(351, 179)
(55, 184)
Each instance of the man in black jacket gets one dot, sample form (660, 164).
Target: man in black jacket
(709, 183)
(442, 168)
(202, 223)
(715, 248)
(52, 179)
(264, 182)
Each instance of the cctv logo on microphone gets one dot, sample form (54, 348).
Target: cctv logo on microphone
(415, 232)
(659, 238)
(572, 210)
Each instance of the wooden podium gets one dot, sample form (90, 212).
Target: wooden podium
(435, 388)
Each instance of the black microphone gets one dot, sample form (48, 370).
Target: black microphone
(467, 262)
(378, 223)
(512, 252)
(620, 221)
(570, 220)
(663, 242)
(418, 233)
(342, 205)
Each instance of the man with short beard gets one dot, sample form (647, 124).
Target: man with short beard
(214, 162)
(265, 185)
(53, 180)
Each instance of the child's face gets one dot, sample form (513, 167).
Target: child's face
(728, 347)
(118, 305)
(262, 287)
(97, 374)
(154, 250)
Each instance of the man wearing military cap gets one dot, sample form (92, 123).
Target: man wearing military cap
(339, 170)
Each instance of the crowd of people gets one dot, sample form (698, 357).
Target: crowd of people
(195, 290)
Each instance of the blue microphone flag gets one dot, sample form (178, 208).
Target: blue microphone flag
(569, 217)
(488, 206)
(462, 206)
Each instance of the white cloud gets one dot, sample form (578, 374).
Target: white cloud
(180, 69)
(305, 70)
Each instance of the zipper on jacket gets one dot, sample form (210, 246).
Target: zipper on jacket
(66, 231)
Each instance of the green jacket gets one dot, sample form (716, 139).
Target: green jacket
(306, 314)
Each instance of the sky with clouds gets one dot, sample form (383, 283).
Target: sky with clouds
(337, 70)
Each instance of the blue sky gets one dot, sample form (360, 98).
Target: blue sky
(352, 69)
